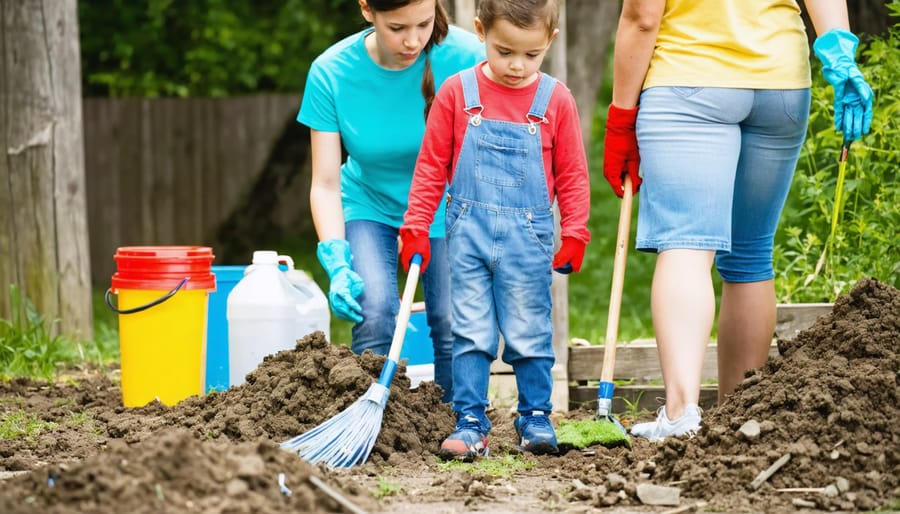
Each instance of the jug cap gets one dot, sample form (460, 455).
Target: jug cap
(265, 257)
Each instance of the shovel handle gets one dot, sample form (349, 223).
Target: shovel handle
(618, 281)
(409, 291)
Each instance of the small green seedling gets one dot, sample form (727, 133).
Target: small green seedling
(386, 488)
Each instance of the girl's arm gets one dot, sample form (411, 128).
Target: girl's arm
(635, 41)
(325, 190)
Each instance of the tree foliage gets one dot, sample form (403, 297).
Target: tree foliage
(159, 48)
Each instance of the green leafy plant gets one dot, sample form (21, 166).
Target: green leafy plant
(864, 242)
(28, 346)
(386, 488)
(206, 47)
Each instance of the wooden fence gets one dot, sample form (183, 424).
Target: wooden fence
(168, 171)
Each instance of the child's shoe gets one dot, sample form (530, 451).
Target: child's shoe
(663, 427)
(466, 443)
(537, 433)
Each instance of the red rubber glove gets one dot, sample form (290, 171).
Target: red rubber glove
(620, 149)
(569, 257)
(411, 243)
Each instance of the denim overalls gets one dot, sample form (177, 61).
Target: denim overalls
(500, 243)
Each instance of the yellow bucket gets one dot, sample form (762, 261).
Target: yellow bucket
(162, 306)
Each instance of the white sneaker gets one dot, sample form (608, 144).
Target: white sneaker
(663, 427)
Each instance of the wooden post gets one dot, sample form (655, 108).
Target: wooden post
(559, 290)
(464, 14)
(43, 227)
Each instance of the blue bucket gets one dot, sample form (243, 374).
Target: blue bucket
(418, 348)
(217, 327)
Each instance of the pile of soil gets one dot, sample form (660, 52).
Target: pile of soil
(830, 401)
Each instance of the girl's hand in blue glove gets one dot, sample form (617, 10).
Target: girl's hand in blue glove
(346, 285)
(853, 97)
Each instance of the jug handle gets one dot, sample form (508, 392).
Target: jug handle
(287, 260)
(146, 306)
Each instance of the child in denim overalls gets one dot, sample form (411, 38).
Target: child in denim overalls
(507, 139)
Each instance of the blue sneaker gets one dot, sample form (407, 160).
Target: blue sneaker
(536, 431)
(466, 443)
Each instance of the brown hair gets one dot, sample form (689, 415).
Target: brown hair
(440, 31)
(521, 13)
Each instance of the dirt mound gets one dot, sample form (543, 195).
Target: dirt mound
(831, 401)
(293, 391)
(175, 472)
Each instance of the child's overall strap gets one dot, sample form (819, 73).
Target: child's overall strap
(470, 92)
(540, 102)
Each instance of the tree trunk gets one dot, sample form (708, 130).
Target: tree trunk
(589, 33)
(43, 227)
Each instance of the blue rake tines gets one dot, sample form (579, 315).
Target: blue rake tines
(347, 439)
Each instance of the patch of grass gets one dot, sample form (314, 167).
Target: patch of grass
(19, 424)
(581, 434)
(29, 345)
(79, 419)
(386, 488)
(504, 466)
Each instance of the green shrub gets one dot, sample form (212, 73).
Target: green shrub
(865, 242)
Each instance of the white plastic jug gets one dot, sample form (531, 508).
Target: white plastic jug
(268, 310)
(313, 312)
(262, 316)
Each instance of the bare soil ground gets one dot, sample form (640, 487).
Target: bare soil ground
(831, 401)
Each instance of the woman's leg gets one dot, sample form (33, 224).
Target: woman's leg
(772, 136)
(746, 325)
(684, 305)
(690, 143)
(374, 249)
(436, 286)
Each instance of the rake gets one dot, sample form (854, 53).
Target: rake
(347, 439)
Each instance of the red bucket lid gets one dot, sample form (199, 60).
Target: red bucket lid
(163, 267)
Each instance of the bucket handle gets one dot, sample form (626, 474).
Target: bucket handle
(146, 306)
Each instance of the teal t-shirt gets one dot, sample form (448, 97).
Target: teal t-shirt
(380, 116)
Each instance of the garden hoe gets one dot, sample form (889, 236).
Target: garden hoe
(347, 439)
(605, 429)
(835, 211)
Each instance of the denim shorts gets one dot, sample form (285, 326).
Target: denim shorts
(717, 165)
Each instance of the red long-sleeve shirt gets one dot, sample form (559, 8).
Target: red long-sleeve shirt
(565, 163)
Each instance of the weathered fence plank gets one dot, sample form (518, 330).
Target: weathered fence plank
(168, 171)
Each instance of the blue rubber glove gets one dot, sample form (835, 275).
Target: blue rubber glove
(346, 284)
(852, 94)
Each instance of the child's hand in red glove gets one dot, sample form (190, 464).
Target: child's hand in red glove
(569, 257)
(620, 149)
(411, 243)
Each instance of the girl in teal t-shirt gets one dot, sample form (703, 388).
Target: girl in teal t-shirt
(369, 94)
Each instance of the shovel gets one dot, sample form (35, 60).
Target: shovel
(605, 429)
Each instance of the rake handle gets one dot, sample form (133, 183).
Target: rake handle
(409, 291)
(618, 281)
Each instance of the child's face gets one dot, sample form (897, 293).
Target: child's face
(514, 54)
(401, 34)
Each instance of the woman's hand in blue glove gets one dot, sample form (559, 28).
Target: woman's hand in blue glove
(853, 97)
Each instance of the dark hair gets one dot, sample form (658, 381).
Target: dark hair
(440, 31)
(521, 13)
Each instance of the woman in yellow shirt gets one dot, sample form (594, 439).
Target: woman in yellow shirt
(711, 99)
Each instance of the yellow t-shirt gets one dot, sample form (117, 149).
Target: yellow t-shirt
(753, 44)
